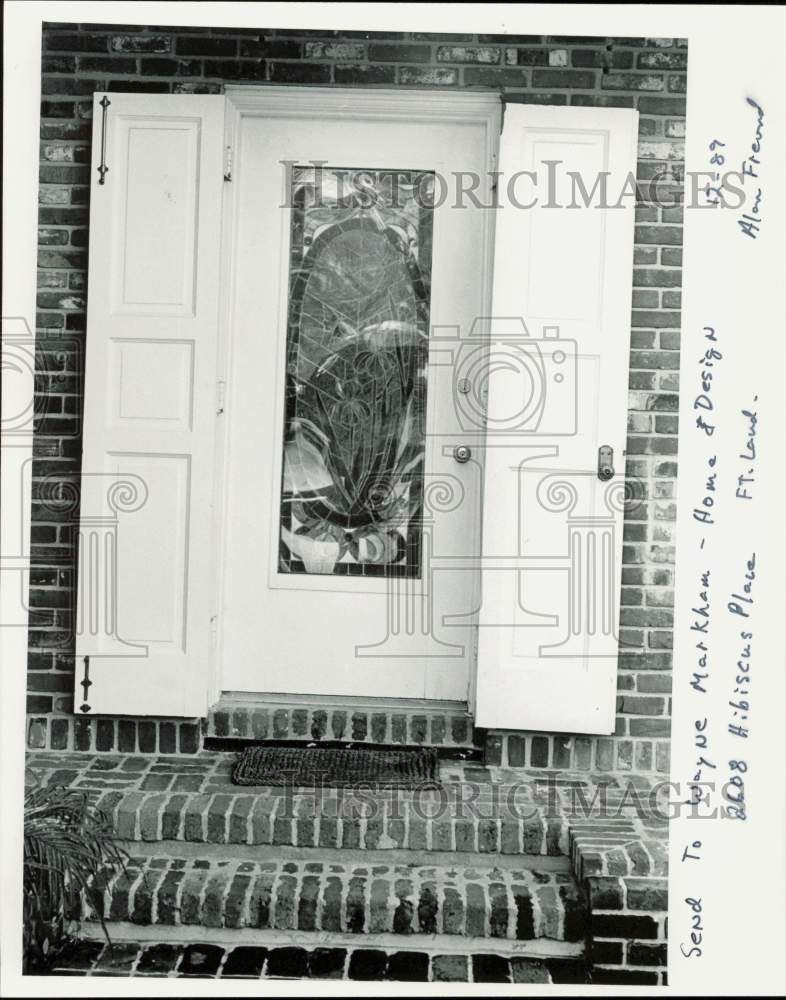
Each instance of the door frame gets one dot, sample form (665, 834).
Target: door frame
(336, 103)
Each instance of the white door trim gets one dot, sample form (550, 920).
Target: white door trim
(348, 102)
(336, 103)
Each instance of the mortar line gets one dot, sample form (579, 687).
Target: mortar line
(442, 944)
(340, 855)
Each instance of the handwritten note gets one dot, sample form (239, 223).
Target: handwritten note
(719, 656)
(750, 220)
(720, 659)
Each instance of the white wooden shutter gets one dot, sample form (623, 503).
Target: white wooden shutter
(557, 392)
(143, 609)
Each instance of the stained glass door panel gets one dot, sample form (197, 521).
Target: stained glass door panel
(352, 531)
(356, 372)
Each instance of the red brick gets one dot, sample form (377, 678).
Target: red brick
(356, 74)
(508, 76)
(468, 54)
(206, 46)
(149, 821)
(597, 58)
(641, 953)
(262, 821)
(238, 819)
(331, 905)
(166, 902)
(379, 912)
(120, 892)
(144, 893)
(449, 968)
(633, 81)
(355, 906)
(452, 912)
(172, 816)
(647, 894)
(254, 48)
(662, 106)
(428, 76)
(217, 819)
(650, 727)
(298, 73)
(260, 901)
(235, 900)
(140, 43)
(194, 829)
(563, 78)
(392, 52)
(623, 926)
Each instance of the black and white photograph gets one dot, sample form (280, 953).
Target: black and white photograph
(392, 567)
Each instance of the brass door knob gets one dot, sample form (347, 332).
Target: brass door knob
(462, 453)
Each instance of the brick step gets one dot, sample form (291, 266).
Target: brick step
(302, 892)
(305, 820)
(238, 718)
(151, 799)
(485, 810)
(213, 955)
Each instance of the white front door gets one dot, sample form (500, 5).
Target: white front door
(352, 525)
(349, 548)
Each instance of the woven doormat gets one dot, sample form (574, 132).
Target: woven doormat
(337, 768)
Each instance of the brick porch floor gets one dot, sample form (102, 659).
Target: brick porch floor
(499, 859)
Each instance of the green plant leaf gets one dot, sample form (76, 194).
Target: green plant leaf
(68, 843)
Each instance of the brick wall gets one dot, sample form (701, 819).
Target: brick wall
(648, 74)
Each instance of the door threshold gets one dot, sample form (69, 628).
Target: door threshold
(257, 716)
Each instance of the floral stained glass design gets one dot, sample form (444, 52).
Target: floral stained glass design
(356, 365)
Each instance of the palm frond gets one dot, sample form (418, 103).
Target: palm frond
(68, 843)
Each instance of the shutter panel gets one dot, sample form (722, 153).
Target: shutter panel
(557, 392)
(143, 624)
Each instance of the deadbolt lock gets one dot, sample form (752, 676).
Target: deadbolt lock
(605, 462)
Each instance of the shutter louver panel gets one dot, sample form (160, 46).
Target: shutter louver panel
(557, 392)
(144, 589)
